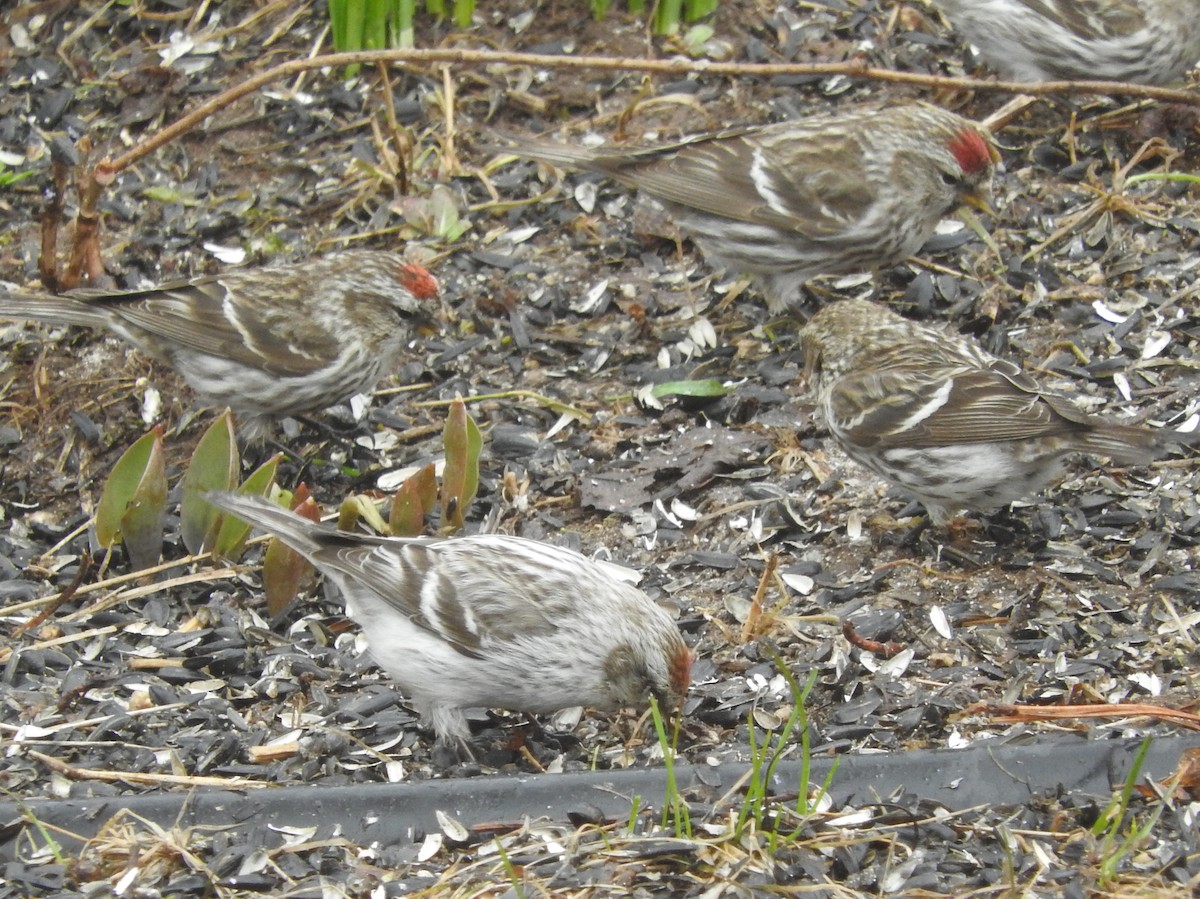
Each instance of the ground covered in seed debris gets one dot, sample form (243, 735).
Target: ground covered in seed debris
(577, 295)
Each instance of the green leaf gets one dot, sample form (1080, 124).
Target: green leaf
(375, 16)
(412, 502)
(134, 500)
(360, 508)
(164, 194)
(696, 38)
(705, 387)
(120, 487)
(405, 9)
(356, 20)
(444, 213)
(232, 532)
(214, 466)
(142, 524)
(8, 178)
(284, 570)
(460, 478)
(337, 23)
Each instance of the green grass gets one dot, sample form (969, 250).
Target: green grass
(8, 178)
(1120, 831)
(380, 24)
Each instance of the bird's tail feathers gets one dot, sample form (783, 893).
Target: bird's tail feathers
(58, 310)
(263, 514)
(563, 155)
(1133, 445)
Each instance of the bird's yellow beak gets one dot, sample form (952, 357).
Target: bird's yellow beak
(976, 200)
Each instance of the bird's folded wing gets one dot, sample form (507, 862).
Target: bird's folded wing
(1095, 19)
(737, 177)
(258, 330)
(905, 409)
(478, 593)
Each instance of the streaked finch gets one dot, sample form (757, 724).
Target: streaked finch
(266, 342)
(948, 422)
(829, 194)
(1145, 41)
(491, 621)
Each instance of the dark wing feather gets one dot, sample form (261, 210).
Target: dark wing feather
(474, 593)
(401, 577)
(715, 173)
(721, 175)
(258, 331)
(903, 409)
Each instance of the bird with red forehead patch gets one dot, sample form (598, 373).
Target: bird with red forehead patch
(267, 342)
(972, 152)
(491, 621)
(824, 195)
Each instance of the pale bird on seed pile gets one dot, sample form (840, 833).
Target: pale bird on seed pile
(491, 621)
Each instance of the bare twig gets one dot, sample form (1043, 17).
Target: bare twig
(51, 222)
(884, 650)
(1008, 714)
(85, 569)
(85, 254)
(750, 627)
(150, 779)
(403, 148)
(107, 169)
(144, 574)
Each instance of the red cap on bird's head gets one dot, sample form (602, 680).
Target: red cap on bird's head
(679, 670)
(417, 281)
(972, 151)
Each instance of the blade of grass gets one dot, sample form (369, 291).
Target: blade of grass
(337, 23)
(405, 11)
(674, 806)
(666, 16)
(375, 19)
(352, 30)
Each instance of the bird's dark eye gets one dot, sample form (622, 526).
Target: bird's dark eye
(949, 179)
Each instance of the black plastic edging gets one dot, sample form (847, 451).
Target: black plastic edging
(993, 773)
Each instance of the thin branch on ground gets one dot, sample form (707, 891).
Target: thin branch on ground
(85, 254)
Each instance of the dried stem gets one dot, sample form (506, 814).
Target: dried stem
(51, 222)
(86, 256)
(146, 779)
(107, 169)
(1008, 714)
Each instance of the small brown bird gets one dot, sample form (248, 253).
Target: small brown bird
(829, 194)
(944, 419)
(1144, 41)
(266, 342)
(491, 621)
